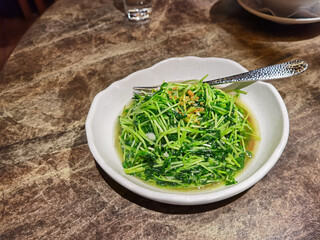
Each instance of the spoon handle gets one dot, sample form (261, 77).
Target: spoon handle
(242, 80)
(272, 72)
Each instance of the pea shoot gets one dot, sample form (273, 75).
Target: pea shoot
(185, 135)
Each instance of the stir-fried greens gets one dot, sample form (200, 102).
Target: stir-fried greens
(185, 135)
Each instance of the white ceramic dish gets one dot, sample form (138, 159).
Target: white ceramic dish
(262, 98)
(286, 8)
(281, 20)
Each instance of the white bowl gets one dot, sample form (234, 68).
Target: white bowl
(261, 98)
(286, 8)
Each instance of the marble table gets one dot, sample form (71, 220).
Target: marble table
(50, 185)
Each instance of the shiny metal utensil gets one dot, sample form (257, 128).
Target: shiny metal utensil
(278, 71)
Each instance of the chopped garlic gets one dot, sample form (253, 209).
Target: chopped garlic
(151, 136)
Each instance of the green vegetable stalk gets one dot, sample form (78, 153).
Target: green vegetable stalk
(185, 135)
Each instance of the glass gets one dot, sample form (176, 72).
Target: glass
(137, 10)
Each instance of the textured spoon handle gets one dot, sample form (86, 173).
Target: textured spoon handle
(277, 71)
(282, 70)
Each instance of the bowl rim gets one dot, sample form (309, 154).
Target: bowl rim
(185, 198)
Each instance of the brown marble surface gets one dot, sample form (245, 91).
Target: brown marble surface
(50, 185)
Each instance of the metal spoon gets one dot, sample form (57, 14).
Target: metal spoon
(278, 71)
